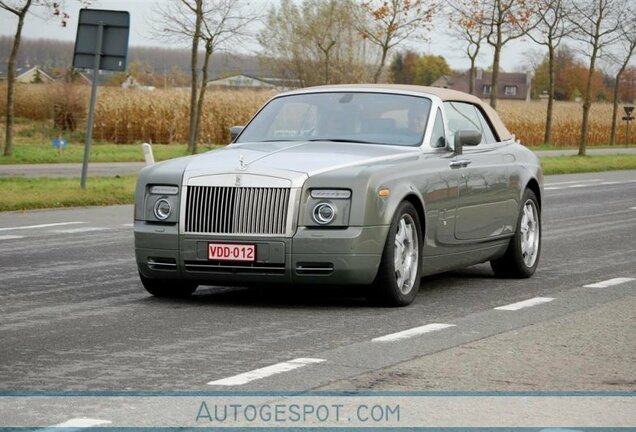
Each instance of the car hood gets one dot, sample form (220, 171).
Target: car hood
(292, 159)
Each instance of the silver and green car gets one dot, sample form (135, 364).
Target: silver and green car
(359, 184)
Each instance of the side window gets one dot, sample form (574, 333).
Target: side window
(488, 136)
(461, 116)
(438, 135)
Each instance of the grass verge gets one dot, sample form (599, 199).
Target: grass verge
(20, 193)
(596, 163)
(74, 153)
(35, 193)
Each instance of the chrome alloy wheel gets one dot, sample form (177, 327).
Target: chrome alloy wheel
(530, 233)
(406, 254)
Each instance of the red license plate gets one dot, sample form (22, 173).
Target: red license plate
(231, 252)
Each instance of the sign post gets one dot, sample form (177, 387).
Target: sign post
(628, 117)
(101, 44)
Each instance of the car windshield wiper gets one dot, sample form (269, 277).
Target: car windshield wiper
(279, 140)
(344, 140)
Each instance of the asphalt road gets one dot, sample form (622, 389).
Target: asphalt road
(73, 315)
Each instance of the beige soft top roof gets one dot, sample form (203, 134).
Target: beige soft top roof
(442, 93)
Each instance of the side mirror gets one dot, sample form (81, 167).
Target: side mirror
(466, 138)
(235, 131)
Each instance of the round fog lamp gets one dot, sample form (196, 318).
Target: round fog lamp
(162, 209)
(324, 213)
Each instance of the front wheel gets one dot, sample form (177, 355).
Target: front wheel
(398, 277)
(522, 256)
(172, 288)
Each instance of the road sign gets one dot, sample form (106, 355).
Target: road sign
(114, 46)
(101, 44)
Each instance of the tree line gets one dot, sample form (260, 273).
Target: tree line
(349, 41)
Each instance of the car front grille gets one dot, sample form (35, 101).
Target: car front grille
(236, 210)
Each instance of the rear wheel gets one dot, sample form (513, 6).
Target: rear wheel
(522, 256)
(173, 288)
(398, 278)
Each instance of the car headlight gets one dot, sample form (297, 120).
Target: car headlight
(327, 208)
(331, 193)
(324, 213)
(162, 209)
(162, 203)
(164, 190)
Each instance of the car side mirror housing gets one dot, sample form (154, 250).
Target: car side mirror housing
(235, 131)
(466, 138)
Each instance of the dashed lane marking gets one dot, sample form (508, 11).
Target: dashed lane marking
(525, 304)
(10, 237)
(79, 230)
(412, 332)
(581, 184)
(265, 372)
(574, 182)
(40, 226)
(82, 423)
(609, 282)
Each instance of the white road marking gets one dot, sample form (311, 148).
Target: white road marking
(526, 303)
(574, 182)
(412, 332)
(580, 184)
(609, 283)
(265, 372)
(632, 208)
(79, 230)
(10, 237)
(82, 423)
(128, 225)
(40, 226)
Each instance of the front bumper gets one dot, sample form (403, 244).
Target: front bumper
(311, 256)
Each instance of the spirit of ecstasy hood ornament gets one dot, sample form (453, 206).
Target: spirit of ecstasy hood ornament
(242, 165)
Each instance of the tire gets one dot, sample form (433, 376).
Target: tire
(398, 278)
(168, 288)
(522, 256)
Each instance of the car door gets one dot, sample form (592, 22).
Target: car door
(484, 196)
(441, 185)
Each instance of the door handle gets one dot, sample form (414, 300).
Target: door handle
(463, 163)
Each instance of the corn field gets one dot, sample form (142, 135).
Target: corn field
(162, 116)
(527, 121)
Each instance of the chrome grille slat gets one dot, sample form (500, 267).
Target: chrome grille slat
(236, 210)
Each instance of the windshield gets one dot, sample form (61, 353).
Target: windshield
(372, 118)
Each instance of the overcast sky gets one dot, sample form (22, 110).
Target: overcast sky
(515, 56)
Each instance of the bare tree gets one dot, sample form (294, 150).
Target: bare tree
(224, 21)
(390, 22)
(466, 23)
(503, 21)
(597, 25)
(315, 42)
(283, 44)
(320, 17)
(622, 57)
(20, 9)
(215, 23)
(553, 26)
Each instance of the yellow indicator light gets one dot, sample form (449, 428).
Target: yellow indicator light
(384, 193)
